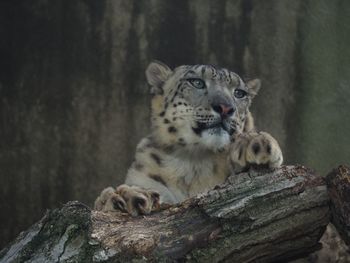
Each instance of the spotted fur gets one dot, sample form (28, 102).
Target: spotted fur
(201, 131)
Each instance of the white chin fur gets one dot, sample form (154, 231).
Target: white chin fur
(215, 139)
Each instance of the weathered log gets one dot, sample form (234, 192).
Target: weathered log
(259, 216)
(338, 182)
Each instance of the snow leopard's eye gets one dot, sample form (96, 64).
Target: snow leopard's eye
(239, 93)
(197, 83)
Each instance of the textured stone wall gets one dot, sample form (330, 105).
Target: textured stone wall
(74, 102)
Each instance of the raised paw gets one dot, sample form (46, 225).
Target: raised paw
(130, 199)
(255, 149)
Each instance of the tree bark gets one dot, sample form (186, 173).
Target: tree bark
(259, 216)
(338, 182)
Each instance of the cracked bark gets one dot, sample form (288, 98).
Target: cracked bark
(259, 216)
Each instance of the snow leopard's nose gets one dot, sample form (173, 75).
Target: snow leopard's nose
(225, 110)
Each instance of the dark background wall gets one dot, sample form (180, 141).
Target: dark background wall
(74, 102)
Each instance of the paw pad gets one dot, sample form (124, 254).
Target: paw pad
(255, 150)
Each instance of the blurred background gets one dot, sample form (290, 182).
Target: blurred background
(74, 101)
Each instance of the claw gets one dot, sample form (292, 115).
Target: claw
(118, 203)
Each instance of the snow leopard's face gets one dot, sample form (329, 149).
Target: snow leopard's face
(199, 105)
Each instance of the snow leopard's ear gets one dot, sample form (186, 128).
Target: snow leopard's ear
(157, 73)
(253, 86)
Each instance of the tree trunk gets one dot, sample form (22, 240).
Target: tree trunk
(259, 216)
(338, 182)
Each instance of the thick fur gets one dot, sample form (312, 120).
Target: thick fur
(201, 132)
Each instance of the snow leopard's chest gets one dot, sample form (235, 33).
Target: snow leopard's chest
(189, 177)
